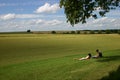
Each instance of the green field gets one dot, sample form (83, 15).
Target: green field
(51, 57)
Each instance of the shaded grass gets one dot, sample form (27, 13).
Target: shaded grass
(113, 75)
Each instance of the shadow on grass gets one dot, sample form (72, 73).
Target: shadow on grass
(113, 75)
(109, 58)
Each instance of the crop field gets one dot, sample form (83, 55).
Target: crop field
(51, 57)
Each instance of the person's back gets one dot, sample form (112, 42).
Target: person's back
(100, 54)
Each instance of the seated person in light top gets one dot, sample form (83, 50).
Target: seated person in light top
(99, 54)
(85, 58)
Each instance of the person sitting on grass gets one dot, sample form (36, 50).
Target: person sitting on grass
(99, 54)
(84, 58)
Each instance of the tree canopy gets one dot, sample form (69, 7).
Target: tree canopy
(80, 10)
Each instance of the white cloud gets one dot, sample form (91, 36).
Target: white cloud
(101, 23)
(7, 16)
(114, 13)
(10, 16)
(53, 22)
(22, 22)
(19, 4)
(105, 20)
(18, 16)
(100, 20)
(47, 8)
(42, 22)
(33, 24)
(27, 16)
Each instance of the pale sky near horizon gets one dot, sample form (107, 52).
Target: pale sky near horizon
(45, 15)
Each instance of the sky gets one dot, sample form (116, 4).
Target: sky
(46, 15)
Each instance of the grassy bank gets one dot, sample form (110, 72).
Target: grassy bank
(50, 57)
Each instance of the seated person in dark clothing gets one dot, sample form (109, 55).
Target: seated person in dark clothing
(99, 54)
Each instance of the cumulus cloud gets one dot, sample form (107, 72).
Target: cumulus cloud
(54, 22)
(34, 24)
(47, 8)
(10, 16)
(105, 20)
(27, 16)
(101, 23)
(18, 16)
(40, 21)
(19, 4)
(7, 16)
(114, 13)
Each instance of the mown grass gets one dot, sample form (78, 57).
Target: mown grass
(50, 57)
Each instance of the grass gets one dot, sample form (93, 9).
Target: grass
(50, 57)
(113, 75)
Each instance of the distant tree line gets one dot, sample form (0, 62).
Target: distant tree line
(109, 31)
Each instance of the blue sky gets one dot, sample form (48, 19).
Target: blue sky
(45, 15)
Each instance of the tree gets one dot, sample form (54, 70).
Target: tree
(53, 32)
(108, 31)
(78, 32)
(79, 10)
(85, 32)
(99, 31)
(118, 31)
(92, 32)
(29, 30)
(72, 32)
